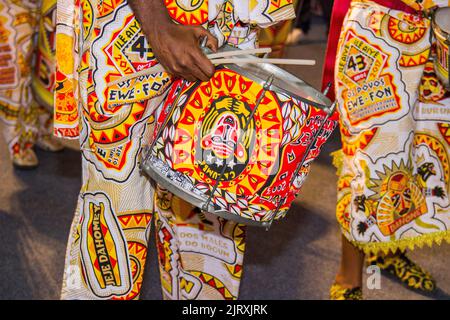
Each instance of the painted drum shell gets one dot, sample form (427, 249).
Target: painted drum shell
(285, 134)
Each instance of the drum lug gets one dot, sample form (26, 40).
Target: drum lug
(207, 207)
(267, 225)
(327, 89)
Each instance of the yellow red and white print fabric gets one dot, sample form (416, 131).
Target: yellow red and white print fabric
(393, 181)
(108, 240)
(66, 113)
(23, 119)
(44, 67)
(200, 255)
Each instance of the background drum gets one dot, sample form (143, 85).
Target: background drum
(441, 30)
(240, 145)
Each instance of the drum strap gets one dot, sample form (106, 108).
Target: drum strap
(340, 9)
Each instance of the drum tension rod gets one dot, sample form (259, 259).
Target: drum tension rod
(166, 120)
(330, 111)
(266, 87)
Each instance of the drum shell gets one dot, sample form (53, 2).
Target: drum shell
(283, 134)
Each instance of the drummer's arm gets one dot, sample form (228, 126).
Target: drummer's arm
(175, 46)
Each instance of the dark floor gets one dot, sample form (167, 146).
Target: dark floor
(296, 259)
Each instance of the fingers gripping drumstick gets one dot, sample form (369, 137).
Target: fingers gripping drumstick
(226, 57)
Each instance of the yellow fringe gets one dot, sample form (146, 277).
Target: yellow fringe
(338, 160)
(394, 245)
(403, 244)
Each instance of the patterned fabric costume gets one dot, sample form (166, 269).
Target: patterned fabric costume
(275, 36)
(23, 119)
(394, 170)
(200, 255)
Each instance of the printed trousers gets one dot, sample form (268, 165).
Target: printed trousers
(200, 255)
(22, 118)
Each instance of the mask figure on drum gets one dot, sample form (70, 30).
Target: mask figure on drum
(221, 130)
(224, 140)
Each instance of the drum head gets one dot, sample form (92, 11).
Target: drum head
(283, 82)
(442, 19)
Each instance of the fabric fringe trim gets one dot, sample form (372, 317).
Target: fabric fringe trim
(338, 160)
(404, 244)
(394, 245)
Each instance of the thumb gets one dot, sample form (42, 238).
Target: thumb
(212, 42)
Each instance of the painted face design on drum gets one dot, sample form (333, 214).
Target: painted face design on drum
(223, 141)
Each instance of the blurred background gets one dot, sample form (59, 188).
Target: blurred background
(296, 259)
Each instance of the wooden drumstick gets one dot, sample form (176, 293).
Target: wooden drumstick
(158, 68)
(298, 62)
(235, 53)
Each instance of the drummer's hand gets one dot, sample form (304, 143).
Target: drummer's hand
(177, 48)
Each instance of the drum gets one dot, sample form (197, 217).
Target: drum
(43, 82)
(241, 145)
(441, 30)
